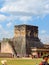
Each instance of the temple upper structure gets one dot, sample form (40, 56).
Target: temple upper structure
(26, 37)
(24, 43)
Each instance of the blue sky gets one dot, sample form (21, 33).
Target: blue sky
(32, 12)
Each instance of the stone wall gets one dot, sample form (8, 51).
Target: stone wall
(6, 55)
(20, 47)
(6, 47)
(20, 40)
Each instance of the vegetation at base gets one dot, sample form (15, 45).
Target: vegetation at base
(20, 61)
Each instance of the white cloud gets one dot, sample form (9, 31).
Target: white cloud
(44, 38)
(9, 24)
(24, 9)
(2, 17)
(43, 32)
(36, 7)
(47, 6)
(5, 33)
(10, 19)
(22, 19)
(43, 35)
(25, 18)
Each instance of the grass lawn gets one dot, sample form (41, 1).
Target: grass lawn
(19, 61)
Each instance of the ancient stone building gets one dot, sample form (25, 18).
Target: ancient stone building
(24, 43)
(27, 41)
(6, 49)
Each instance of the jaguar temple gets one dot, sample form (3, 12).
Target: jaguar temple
(25, 43)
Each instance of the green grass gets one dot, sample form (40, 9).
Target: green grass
(19, 61)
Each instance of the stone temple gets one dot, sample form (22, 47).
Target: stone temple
(24, 43)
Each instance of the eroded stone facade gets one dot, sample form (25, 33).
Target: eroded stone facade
(26, 37)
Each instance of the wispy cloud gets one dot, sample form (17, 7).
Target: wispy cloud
(44, 38)
(43, 32)
(2, 17)
(5, 33)
(9, 24)
(25, 8)
(36, 7)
